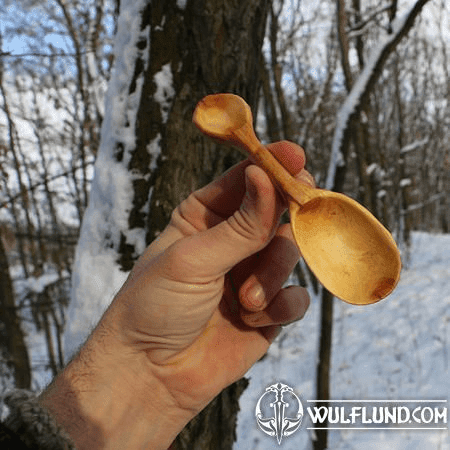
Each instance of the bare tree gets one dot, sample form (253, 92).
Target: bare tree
(51, 100)
(348, 117)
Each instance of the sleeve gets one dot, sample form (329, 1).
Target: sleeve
(30, 423)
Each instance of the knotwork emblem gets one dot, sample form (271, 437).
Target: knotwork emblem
(279, 411)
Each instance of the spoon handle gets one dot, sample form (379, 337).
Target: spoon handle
(245, 138)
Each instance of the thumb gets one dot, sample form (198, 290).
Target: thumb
(210, 254)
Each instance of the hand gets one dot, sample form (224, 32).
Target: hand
(200, 307)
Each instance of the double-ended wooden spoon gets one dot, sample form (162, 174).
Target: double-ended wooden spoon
(345, 246)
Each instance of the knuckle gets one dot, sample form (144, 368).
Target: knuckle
(249, 228)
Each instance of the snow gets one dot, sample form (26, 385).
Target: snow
(381, 194)
(164, 90)
(154, 150)
(405, 182)
(395, 349)
(414, 146)
(97, 276)
(35, 285)
(372, 168)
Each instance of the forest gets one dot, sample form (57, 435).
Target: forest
(97, 145)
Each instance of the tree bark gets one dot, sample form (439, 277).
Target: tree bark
(10, 322)
(324, 364)
(210, 46)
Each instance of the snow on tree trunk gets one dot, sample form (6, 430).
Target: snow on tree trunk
(97, 275)
(364, 84)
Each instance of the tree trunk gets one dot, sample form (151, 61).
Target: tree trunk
(215, 427)
(323, 366)
(10, 322)
(210, 46)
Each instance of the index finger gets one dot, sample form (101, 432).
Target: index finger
(291, 156)
(224, 195)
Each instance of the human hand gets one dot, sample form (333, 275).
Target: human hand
(206, 299)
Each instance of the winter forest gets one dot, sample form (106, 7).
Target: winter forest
(97, 147)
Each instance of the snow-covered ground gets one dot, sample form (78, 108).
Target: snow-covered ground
(395, 349)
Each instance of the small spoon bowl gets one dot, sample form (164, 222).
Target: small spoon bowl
(351, 253)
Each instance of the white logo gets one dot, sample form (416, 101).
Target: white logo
(282, 400)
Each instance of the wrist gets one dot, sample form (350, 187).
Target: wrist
(110, 400)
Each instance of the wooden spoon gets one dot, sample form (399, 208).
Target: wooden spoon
(347, 248)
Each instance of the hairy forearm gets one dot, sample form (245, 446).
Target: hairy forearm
(107, 401)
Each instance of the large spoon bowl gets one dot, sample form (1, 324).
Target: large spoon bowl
(351, 253)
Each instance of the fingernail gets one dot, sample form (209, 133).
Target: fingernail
(256, 295)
